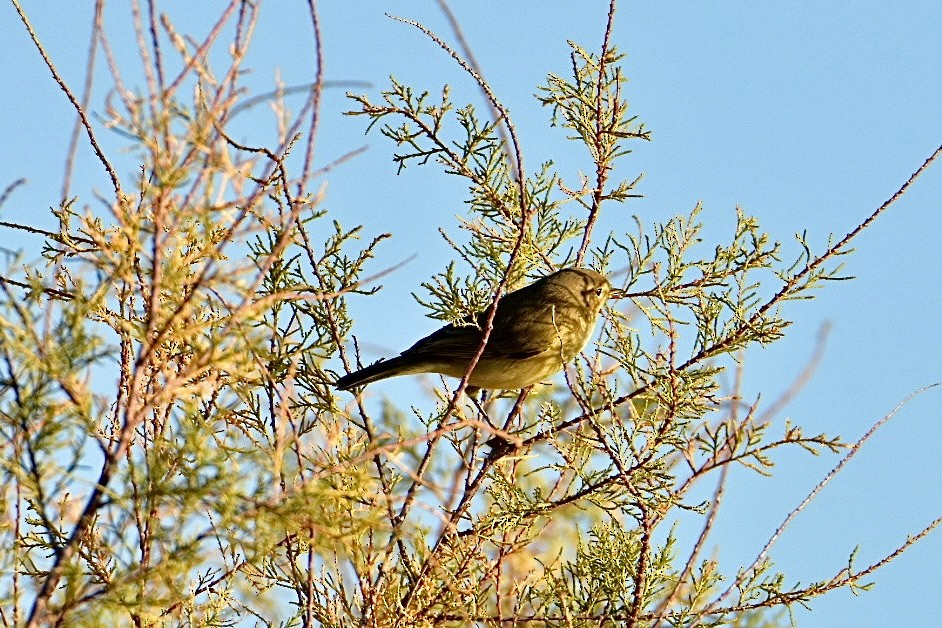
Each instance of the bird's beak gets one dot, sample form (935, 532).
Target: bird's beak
(617, 293)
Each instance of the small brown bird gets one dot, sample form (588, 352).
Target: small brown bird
(537, 330)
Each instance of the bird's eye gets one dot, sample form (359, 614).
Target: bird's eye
(599, 291)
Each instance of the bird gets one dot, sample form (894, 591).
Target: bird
(536, 331)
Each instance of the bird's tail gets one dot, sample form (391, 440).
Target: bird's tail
(374, 372)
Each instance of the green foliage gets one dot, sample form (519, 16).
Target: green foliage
(175, 452)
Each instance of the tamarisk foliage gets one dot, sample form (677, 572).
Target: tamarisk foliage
(174, 452)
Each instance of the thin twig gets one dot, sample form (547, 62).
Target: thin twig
(203, 48)
(316, 90)
(517, 163)
(86, 98)
(764, 552)
(504, 129)
(8, 190)
(601, 167)
(75, 103)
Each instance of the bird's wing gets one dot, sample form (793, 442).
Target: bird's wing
(463, 342)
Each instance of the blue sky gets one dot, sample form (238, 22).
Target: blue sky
(808, 115)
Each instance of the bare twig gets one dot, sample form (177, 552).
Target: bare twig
(86, 98)
(8, 190)
(75, 103)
